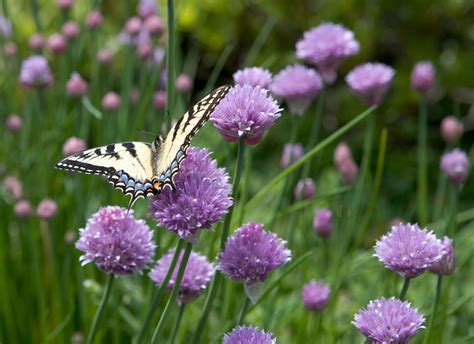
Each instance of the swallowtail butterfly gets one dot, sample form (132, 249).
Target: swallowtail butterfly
(141, 169)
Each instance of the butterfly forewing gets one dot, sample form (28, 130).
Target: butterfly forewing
(175, 145)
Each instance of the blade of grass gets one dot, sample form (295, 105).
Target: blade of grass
(317, 149)
(259, 41)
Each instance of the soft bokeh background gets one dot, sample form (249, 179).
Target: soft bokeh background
(231, 35)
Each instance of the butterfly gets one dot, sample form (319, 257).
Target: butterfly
(142, 169)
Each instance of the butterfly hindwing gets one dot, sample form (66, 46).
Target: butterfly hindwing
(174, 147)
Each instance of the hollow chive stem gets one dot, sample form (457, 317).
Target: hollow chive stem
(177, 323)
(174, 293)
(159, 294)
(243, 311)
(98, 314)
(422, 160)
(403, 292)
(434, 311)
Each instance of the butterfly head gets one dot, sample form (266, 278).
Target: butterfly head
(158, 141)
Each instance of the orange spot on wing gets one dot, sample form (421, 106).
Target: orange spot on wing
(156, 185)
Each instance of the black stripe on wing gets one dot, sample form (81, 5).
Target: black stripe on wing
(84, 167)
(204, 108)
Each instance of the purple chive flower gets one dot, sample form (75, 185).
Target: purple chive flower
(14, 186)
(159, 100)
(348, 170)
(423, 76)
(22, 209)
(146, 8)
(202, 197)
(154, 25)
(245, 113)
(292, 152)
(57, 43)
(144, 50)
(370, 81)
(447, 264)
(408, 250)
(388, 321)
(341, 153)
(305, 189)
(64, 4)
(133, 26)
(73, 145)
(251, 254)
(315, 296)
(70, 30)
(184, 83)
(197, 275)
(35, 72)
(248, 335)
(451, 129)
(36, 41)
(326, 46)
(297, 85)
(118, 243)
(455, 164)
(111, 101)
(76, 86)
(253, 76)
(94, 19)
(5, 27)
(47, 209)
(13, 123)
(322, 222)
(104, 56)
(10, 49)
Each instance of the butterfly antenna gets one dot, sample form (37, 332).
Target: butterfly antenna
(145, 132)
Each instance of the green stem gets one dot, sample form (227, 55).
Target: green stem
(35, 10)
(259, 41)
(422, 168)
(285, 188)
(434, 311)
(375, 190)
(157, 297)
(170, 63)
(315, 129)
(174, 292)
(450, 229)
(178, 322)
(403, 292)
(103, 301)
(216, 281)
(243, 311)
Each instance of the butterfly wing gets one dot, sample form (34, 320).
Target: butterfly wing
(173, 149)
(127, 165)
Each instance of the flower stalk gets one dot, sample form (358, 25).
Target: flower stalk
(174, 292)
(405, 286)
(422, 160)
(100, 310)
(159, 294)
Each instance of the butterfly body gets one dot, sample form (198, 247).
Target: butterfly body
(143, 169)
